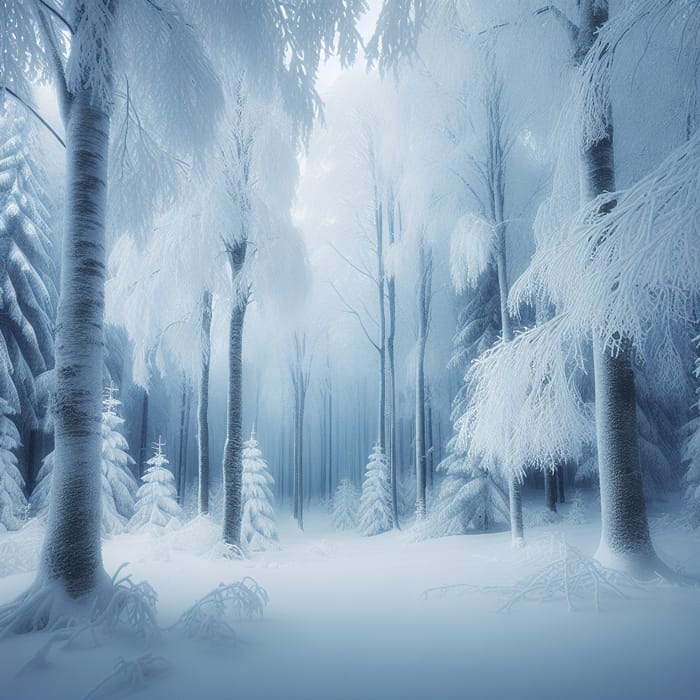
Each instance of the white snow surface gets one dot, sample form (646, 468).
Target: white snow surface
(346, 620)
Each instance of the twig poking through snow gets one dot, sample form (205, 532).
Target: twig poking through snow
(130, 676)
(206, 618)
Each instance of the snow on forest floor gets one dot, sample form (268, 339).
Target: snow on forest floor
(346, 620)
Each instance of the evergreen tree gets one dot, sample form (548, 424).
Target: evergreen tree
(39, 500)
(258, 528)
(12, 500)
(118, 484)
(469, 499)
(345, 506)
(156, 507)
(375, 504)
(27, 272)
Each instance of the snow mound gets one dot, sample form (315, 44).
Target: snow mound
(19, 551)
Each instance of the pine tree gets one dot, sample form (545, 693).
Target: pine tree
(27, 271)
(469, 499)
(258, 528)
(12, 500)
(375, 504)
(118, 484)
(156, 507)
(345, 505)
(39, 499)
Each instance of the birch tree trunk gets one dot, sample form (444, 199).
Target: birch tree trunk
(233, 447)
(203, 404)
(72, 550)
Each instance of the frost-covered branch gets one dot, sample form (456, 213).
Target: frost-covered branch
(31, 109)
(525, 407)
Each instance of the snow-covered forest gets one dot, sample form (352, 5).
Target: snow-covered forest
(349, 349)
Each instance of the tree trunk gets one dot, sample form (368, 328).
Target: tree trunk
(560, 477)
(625, 540)
(299, 461)
(391, 360)
(550, 490)
(330, 445)
(72, 549)
(516, 511)
(514, 484)
(423, 316)
(203, 404)
(381, 430)
(429, 438)
(233, 457)
(143, 442)
(181, 442)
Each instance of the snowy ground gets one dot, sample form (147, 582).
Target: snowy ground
(346, 620)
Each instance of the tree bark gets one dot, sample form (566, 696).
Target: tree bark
(203, 404)
(625, 540)
(72, 550)
(233, 457)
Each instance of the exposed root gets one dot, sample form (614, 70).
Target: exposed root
(130, 677)
(570, 576)
(117, 606)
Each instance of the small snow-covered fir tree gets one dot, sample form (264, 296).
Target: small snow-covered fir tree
(375, 504)
(258, 527)
(118, 484)
(156, 507)
(346, 500)
(12, 500)
(469, 499)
